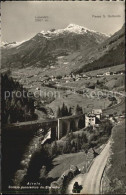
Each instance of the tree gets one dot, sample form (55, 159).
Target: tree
(107, 127)
(58, 112)
(70, 111)
(12, 102)
(42, 172)
(68, 146)
(98, 82)
(78, 142)
(64, 149)
(8, 120)
(78, 110)
(71, 135)
(64, 110)
(84, 138)
(54, 148)
(31, 106)
(86, 147)
(59, 77)
(19, 105)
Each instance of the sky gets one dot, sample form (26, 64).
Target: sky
(19, 23)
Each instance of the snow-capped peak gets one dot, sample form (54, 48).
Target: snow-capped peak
(76, 28)
(80, 29)
(71, 28)
(12, 44)
(3, 43)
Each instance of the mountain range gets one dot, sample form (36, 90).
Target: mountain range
(74, 49)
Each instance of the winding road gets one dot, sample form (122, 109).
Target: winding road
(91, 180)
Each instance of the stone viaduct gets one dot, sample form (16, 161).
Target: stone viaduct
(59, 126)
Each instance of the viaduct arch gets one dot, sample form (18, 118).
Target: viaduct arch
(70, 123)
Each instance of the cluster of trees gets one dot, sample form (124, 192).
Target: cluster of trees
(113, 101)
(64, 111)
(15, 103)
(73, 143)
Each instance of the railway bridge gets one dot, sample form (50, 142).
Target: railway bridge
(59, 126)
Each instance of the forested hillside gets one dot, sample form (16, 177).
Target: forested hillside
(16, 105)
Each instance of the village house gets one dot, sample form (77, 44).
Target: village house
(53, 79)
(97, 113)
(90, 120)
(121, 72)
(84, 76)
(67, 77)
(52, 67)
(107, 73)
(99, 75)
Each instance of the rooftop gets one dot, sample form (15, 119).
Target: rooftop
(91, 115)
(97, 111)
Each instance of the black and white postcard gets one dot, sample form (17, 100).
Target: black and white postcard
(63, 97)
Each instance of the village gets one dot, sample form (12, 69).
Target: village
(42, 79)
(51, 80)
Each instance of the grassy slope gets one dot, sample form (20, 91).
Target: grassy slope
(113, 82)
(118, 169)
(110, 69)
(118, 149)
(63, 162)
(73, 99)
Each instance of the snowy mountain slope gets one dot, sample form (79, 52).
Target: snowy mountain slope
(12, 44)
(44, 48)
(71, 28)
